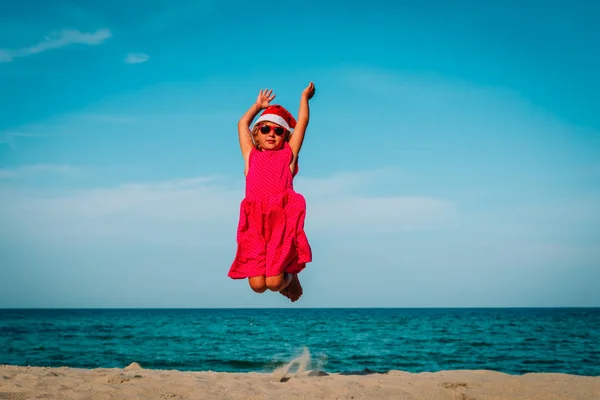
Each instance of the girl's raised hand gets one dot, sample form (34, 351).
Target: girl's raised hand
(309, 92)
(264, 98)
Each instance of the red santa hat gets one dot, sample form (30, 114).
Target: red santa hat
(278, 115)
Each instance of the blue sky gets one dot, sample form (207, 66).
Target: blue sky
(452, 158)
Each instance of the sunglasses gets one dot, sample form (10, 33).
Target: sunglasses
(277, 129)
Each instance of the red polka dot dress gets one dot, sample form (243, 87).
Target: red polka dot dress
(270, 234)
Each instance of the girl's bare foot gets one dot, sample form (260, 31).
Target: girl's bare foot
(293, 291)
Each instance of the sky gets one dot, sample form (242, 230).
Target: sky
(452, 157)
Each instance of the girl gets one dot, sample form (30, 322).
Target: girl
(272, 245)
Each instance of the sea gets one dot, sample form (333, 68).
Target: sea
(347, 341)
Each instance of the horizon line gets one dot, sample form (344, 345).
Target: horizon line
(304, 308)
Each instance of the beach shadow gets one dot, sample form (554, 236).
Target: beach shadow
(318, 373)
(365, 371)
(310, 374)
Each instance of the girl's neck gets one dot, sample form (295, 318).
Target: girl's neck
(261, 149)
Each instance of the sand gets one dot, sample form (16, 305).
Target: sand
(134, 382)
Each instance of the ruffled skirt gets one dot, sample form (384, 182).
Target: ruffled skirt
(271, 237)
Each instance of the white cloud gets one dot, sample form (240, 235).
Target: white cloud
(343, 183)
(136, 58)
(183, 210)
(10, 137)
(29, 170)
(57, 40)
(5, 56)
(66, 124)
(115, 119)
(138, 236)
(180, 231)
(373, 216)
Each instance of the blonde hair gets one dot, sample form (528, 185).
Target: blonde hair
(254, 134)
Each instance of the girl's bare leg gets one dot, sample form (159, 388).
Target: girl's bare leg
(294, 290)
(287, 284)
(279, 282)
(258, 283)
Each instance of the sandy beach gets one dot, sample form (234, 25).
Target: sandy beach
(134, 382)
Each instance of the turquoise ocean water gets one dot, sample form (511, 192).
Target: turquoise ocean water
(514, 341)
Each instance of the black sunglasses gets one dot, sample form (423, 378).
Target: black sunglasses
(277, 129)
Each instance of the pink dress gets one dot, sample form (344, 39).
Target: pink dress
(270, 234)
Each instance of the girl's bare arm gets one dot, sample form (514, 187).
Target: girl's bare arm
(262, 102)
(297, 137)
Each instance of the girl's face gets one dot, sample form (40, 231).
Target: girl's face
(271, 136)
